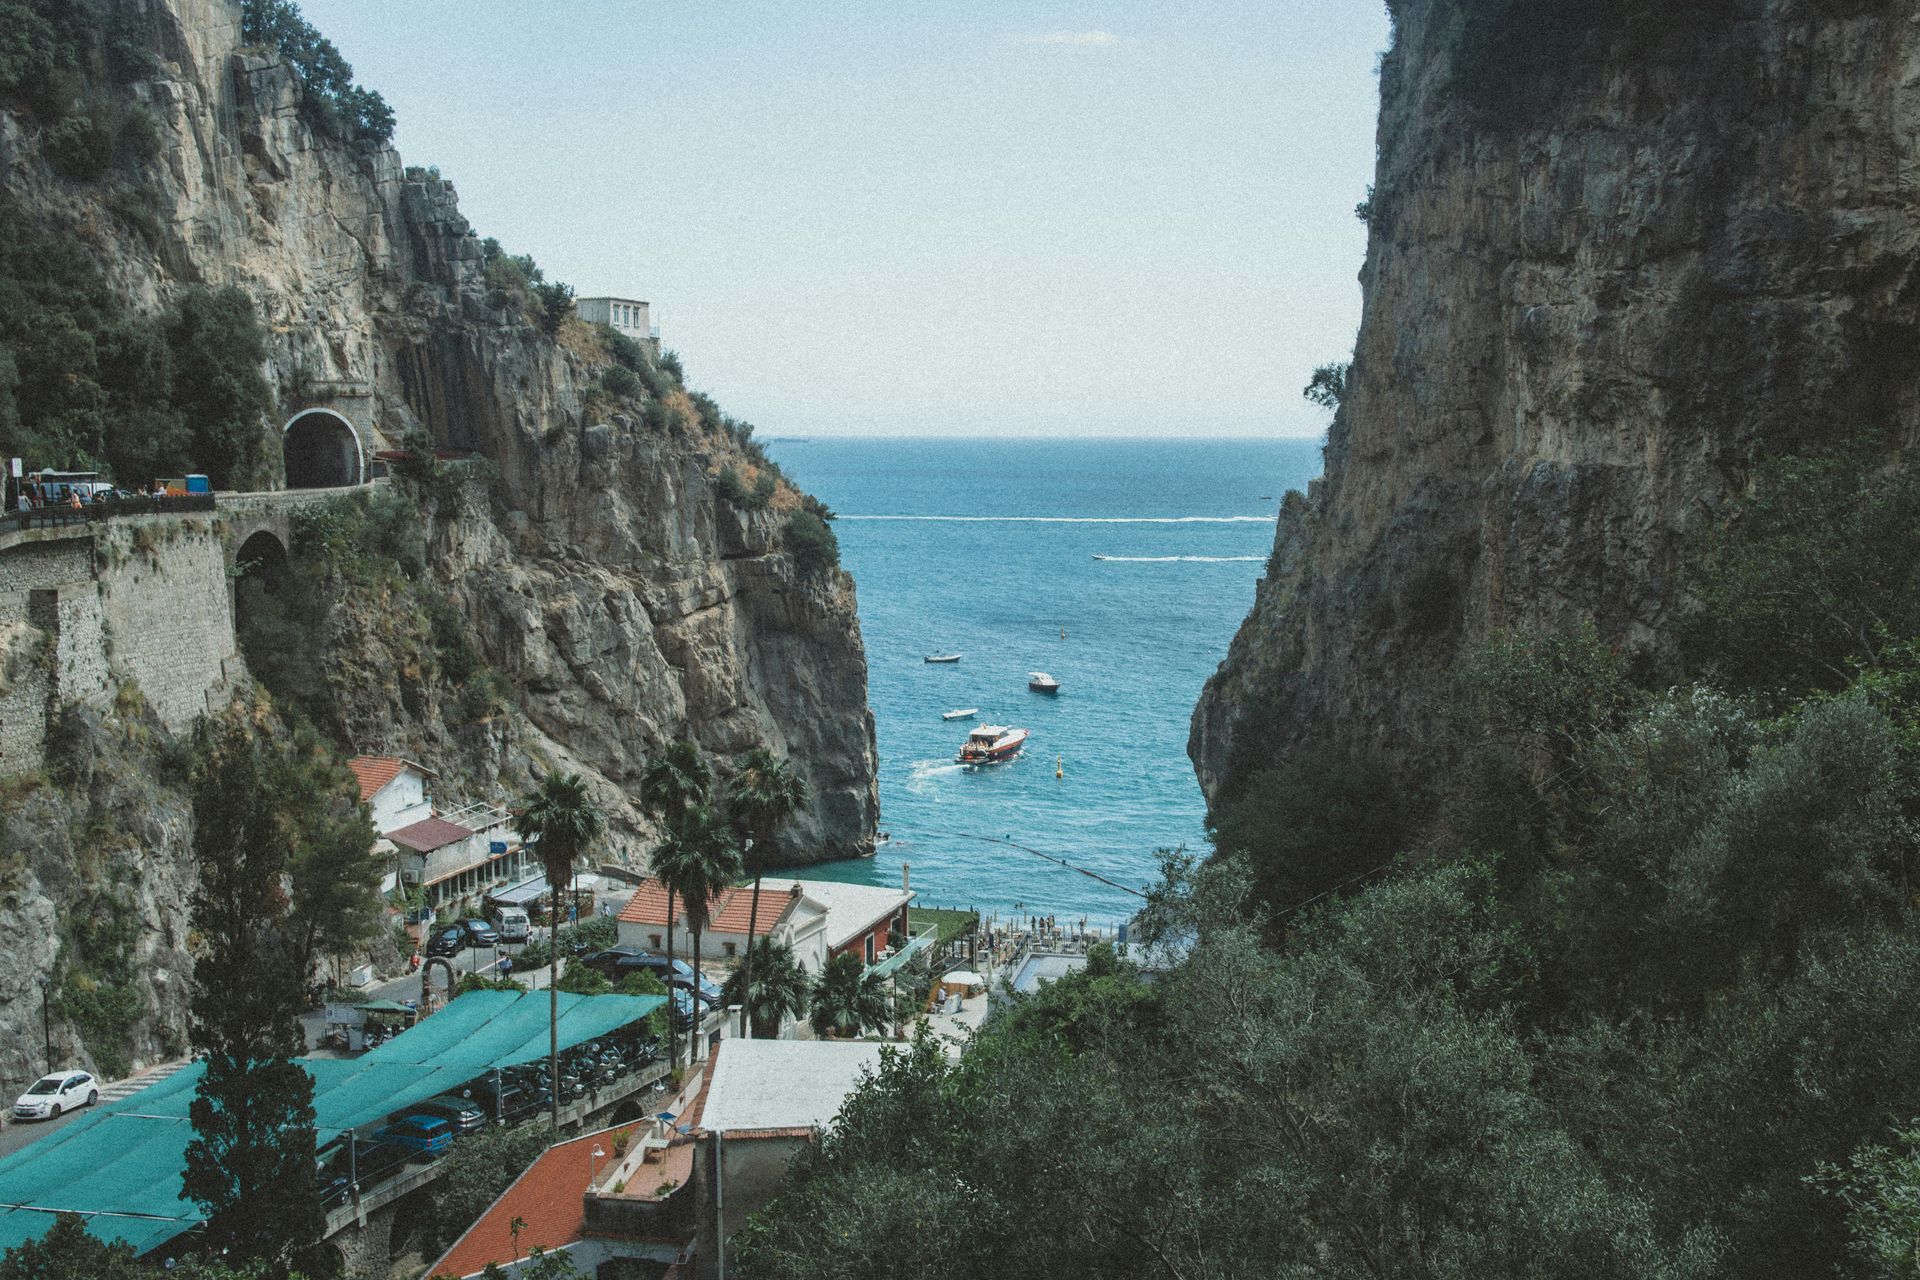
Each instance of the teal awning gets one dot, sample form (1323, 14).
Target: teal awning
(119, 1165)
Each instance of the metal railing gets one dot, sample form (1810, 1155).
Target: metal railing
(57, 516)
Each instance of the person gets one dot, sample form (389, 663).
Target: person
(159, 490)
(506, 966)
(25, 503)
(73, 499)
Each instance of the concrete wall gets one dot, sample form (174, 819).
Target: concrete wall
(85, 609)
(753, 1170)
(169, 613)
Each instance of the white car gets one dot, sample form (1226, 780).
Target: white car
(64, 1091)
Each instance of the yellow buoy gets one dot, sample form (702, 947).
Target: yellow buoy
(1058, 771)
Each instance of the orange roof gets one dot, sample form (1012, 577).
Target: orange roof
(547, 1198)
(375, 772)
(731, 910)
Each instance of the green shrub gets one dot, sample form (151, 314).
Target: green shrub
(811, 543)
(623, 382)
(82, 147)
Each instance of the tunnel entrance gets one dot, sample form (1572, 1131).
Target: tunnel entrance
(321, 450)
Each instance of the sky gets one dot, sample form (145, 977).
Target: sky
(892, 217)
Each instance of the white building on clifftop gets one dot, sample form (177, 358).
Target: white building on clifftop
(630, 316)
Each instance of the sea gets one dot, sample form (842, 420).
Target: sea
(1121, 568)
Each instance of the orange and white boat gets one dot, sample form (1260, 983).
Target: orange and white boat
(991, 744)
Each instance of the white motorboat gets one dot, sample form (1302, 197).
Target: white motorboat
(1041, 682)
(960, 713)
(943, 657)
(992, 744)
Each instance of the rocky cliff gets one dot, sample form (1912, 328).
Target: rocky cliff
(602, 573)
(596, 565)
(1610, 263)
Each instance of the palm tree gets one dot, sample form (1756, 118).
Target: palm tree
(559, 820)
(848, 1000)
(765, 793)
(699, 862)
(676, 782)
(770, 987)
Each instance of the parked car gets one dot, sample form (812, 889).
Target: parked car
(512, 923)
(450, 941)
(464, 1114)
(424, 1135)
(480, 933)
(709, 993)
(512, 1103)
(617, 962)
(51, 1095)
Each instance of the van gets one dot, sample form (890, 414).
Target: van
(512, 924)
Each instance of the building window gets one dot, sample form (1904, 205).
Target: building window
(732, 950)
(869, 948)
(654, 939)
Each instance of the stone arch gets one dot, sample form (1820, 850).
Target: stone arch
(321, 450)
(262, 555)
(627, 1112)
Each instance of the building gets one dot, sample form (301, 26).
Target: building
(643, 921)
(454, 855)
(399, 792)
(630, 316)
(815, 919)
(860, 919)
(668, 1194)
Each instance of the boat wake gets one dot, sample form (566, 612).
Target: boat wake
(1076, 519)
(924, 775)
(1181, 559)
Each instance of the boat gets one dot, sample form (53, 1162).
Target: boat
(1041, 682)
(943, 657)
(960, 713)
(992, 744)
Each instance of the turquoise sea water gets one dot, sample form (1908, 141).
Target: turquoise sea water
(986, 548)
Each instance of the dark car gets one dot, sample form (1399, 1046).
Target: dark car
(512, 1101)
(617, 962)
(709, 993)
(464, 1114)
(450, 941)
(423, 1135)
(480, 934)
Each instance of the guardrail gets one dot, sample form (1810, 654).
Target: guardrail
(54, 517)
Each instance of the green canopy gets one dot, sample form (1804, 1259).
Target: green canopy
(120, 1163)
(384, 1006)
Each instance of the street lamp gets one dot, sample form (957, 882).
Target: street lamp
(46, 1019)
(593, 1167)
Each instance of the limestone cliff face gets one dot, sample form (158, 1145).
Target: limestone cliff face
(601, 571)
(1584, 317)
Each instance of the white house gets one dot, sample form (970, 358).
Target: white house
(814, 919)
(398, 791)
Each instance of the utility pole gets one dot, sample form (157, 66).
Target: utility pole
(46, 1020)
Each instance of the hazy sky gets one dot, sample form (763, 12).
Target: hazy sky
(892, 216)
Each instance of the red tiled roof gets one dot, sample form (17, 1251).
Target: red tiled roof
(548, 1200)
(429, 834)
(375, 772)
(731, 910)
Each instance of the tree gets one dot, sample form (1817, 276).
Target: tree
(334, 873)
(769, 987)
(217, 351)
(1328, 385)
(676, 781)
(251, 1160)
(765, 793)
(847, 1000)
(699, 861)
(559, 820)
(68, 1251)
